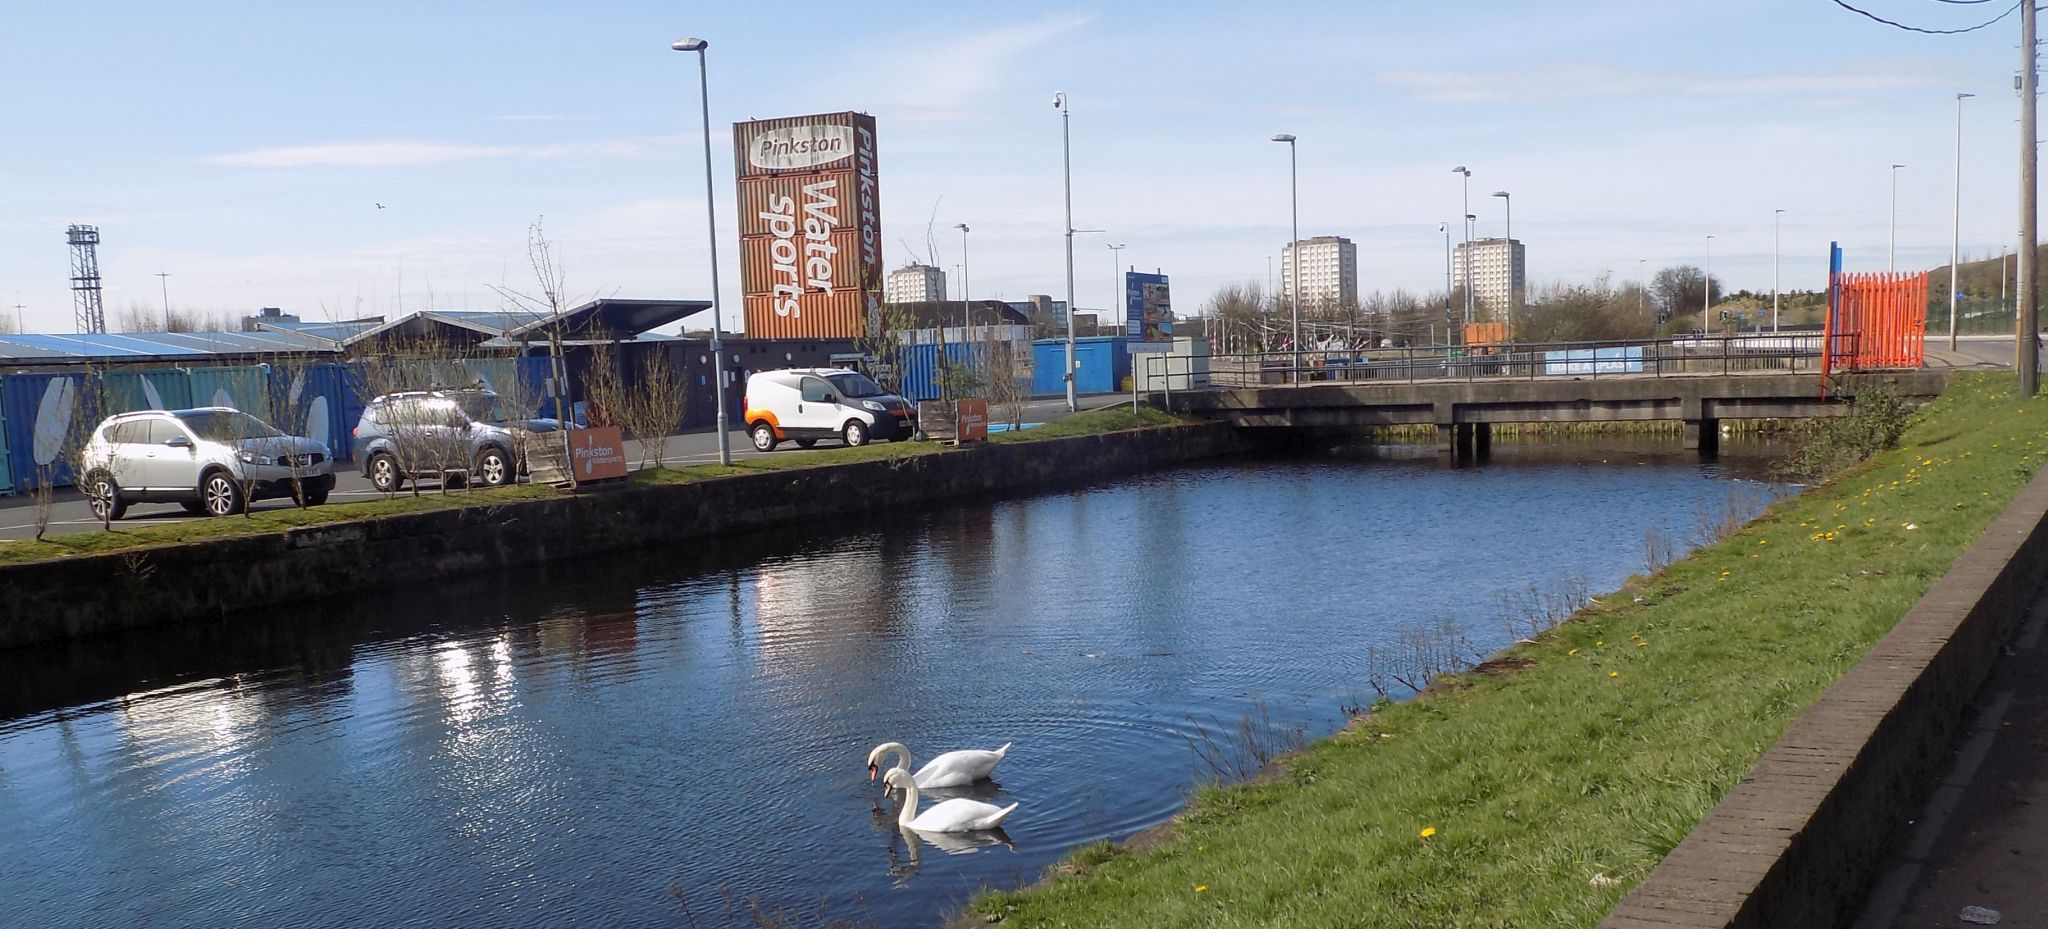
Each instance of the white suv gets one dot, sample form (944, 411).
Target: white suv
(808, 404)
(213, 460)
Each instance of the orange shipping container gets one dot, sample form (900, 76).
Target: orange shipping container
(841, 315)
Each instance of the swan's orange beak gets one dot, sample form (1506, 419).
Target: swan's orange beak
(871, 773)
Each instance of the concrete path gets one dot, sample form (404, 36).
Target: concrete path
(1981, 839)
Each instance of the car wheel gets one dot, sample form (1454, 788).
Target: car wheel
(806, 443)
(764, 437)
(104, 496)
(318, 497)
(384, 473)
(855, 433)
(220, 494)
(492, 469)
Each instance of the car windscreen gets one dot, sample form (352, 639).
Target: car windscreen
(856, 385)
(482, 408)
(227, 426)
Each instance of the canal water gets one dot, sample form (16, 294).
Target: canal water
(680, 739)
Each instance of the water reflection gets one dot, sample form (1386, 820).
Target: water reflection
(587, 744)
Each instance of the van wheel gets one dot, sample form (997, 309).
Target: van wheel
(806, 443)
(384, 474)
(764, 437)
(855, 433)
(104, 496)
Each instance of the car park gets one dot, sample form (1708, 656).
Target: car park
(453, 435)
(212, 460)
(804, 405)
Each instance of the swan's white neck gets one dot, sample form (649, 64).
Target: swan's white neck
(900, 752)
(909, 811)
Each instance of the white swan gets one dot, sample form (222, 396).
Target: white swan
(956, 815)
(952, 769)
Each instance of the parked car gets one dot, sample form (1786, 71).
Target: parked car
(808, 404)
(448, 434)
(213, 460)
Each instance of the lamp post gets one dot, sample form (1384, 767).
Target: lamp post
(1774, 269)
(1116, 284)
(1467, 233)
(1509, 204)
(711, 220)
(1448, 289)
(1293, 253)
(1891, 251)
(966, 313)
(1643, 282)
(1059, 101)
(1955, 236)
(1508, 246)
(163, 280)
(1707, 288)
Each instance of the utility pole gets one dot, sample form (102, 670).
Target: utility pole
(1955, 238)
(162, 279)
(1067, 172)
(19, 326)
(1774, 269)
(2026, 352)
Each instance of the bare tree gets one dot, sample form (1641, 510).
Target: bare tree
(141, 317)
(657, 407)
(1679, 290)
(547, 301)
(1006, 380)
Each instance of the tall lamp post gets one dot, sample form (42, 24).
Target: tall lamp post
(1955, 236)
(1467, 233)
(1891, 251)
(1116, 284)
(1707, 288)
(1448, 288)
(1293, 253)
(711, 219)
(1514, 290)
(966, 313)
(1643, 285)
(1774, 269)
(1059, 101)
(163, 279)
(1508, 203)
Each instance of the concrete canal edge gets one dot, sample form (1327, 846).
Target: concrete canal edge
(1797, 840)
(86, 595)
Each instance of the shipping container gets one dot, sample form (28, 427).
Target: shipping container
(826, 196)
(127, 391)
(1100, 365)
(770, 262)
(918, 375)
(45, 415)
(7, 485)
(841, 315)
(763, 147)
(313, 401)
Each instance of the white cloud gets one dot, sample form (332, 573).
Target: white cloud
(387, 153)
(944, 77)
(1586, 82)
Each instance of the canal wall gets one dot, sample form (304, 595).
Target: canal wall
(86, 595)
(1797, 841)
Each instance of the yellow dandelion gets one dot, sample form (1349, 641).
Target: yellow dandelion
(1201, 888)
(1599, 643)
(1428, 831)
(1642, 644)
(1572, 652)
(1763, 541)
(1614, 674)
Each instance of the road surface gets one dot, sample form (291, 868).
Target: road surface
(70, 513)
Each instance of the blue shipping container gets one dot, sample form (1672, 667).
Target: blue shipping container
(7, 485)
(313, 401)
(127, 391)
(1100, 366)
(245, 388)
(44, 414)
(918, 373)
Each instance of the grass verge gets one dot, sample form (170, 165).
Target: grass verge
(1539, 798)
(133, 535)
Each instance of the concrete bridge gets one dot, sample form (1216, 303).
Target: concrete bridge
(1464, 411)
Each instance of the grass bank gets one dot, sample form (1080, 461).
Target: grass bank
(1539, 797)
(133, 535)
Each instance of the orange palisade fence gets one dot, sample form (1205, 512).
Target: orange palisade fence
(1876, 320)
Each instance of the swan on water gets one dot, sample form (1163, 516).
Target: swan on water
(952, 769)
(955, 815)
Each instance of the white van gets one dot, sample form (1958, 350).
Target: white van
(808, 404)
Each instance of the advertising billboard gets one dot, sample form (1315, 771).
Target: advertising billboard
(1148, 308)
(810, 226)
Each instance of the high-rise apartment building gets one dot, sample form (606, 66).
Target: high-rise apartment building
(1500, 277)
(1329, 271)
(915, 283)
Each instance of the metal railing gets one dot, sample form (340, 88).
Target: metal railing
(1788, 353)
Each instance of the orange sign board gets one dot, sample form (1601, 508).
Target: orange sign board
(599, 453)
(973, 419)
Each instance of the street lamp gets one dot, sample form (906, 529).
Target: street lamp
(1643, 284)
(1294, 246)
(711, 218)
(1508, 203)
(1707, 289)
(1448, 289)
(1116, 284)
(1059, 102)
(1467, 172)
(1891, 252)
(1514, 290)
(1774, 269)
(966, 314)
(1955, 237)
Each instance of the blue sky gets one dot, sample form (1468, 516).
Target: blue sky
(241, 146)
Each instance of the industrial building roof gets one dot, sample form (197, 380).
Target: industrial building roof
(147, 346)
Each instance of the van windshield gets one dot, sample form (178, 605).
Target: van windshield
(227, 426)
(855, 385)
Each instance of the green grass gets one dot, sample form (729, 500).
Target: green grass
(1632, 721)
(131, 535)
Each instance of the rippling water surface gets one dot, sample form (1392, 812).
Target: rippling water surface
(652, 741)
